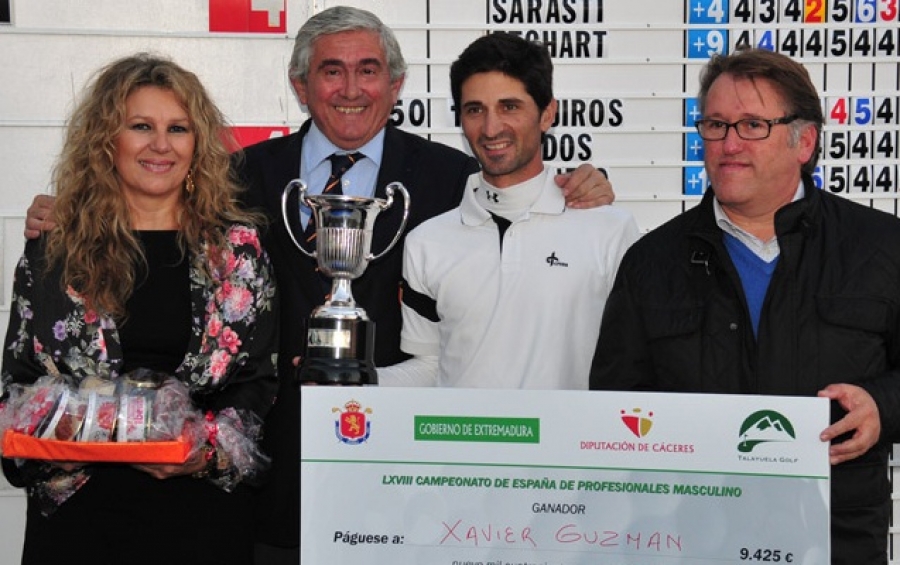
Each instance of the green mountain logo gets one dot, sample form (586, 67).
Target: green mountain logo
(762, 427)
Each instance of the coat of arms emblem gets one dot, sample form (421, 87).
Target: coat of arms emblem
(352, 425)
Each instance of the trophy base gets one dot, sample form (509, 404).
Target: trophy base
(340, 372)
(339, 351)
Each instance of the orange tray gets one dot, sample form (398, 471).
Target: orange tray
(24, 446)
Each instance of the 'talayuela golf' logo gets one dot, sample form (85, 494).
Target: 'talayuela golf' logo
(764, 426)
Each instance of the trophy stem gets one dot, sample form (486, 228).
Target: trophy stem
(341, 294)
(340, 337)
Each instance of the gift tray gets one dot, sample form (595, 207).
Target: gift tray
(23, 446)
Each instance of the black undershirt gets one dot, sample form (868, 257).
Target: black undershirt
(157, 331)
(502, 225)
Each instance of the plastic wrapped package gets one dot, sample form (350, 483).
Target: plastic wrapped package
(100, 420)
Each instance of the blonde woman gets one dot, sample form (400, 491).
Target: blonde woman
(151, 265)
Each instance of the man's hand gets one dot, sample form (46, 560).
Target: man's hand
(586, 187)
(39, 216)
(862, 420)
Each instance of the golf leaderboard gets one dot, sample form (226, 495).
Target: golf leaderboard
(626, 75)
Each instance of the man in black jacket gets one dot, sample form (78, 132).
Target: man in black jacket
(771, 286)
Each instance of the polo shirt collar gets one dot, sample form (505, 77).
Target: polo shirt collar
(548, 200)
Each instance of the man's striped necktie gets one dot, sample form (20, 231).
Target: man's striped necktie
(340, 164)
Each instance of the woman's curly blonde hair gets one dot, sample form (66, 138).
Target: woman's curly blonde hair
(93, 239)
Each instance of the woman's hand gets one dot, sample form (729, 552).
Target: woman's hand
(195, 463)
(68, 466)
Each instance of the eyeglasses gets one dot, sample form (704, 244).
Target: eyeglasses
(751, 129)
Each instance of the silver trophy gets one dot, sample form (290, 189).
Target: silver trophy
(340, 338)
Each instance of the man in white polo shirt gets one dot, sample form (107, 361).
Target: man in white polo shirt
(508, 289)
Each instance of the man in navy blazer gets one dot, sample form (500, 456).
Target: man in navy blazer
(434, 175)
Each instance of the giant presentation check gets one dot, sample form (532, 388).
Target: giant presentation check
(512, 477)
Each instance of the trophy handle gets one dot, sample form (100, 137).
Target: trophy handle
(389, 192)
(297, 183)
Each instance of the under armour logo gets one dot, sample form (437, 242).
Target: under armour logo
(491, 196)
(554, 261)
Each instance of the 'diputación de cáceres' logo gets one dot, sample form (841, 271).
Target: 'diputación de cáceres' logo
(352, 425)
(638, 423)
(764, 426)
